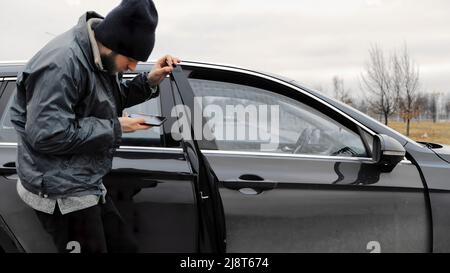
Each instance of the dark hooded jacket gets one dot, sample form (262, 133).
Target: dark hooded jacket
(66, 111)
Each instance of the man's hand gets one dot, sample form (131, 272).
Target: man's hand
(161, 69)
(130, 125)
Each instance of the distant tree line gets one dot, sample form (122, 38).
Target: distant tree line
(392, 90)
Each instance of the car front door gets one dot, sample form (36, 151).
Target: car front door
(318, 189)
(211, 225)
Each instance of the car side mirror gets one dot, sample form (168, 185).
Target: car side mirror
(387, 152)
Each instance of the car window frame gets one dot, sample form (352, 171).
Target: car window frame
(249, 78)
(130, 76)
(189, 68)
(6, 95)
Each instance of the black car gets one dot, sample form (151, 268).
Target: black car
(337, 180)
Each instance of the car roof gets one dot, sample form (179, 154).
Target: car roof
(11, 68)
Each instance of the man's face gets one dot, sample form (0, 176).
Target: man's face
(117, 63)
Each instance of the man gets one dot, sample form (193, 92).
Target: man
(67, 112)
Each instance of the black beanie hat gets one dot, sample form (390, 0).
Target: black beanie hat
(129, 29)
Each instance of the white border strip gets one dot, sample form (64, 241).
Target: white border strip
(141, 148)
(9, 144)
(8, 78)
(14, 62)
(306, 156)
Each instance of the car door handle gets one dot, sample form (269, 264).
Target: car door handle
(8, 168)
(251, 177)
(249, 187)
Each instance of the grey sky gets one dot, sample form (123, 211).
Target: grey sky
(307, 40)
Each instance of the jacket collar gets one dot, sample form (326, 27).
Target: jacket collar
(84, 41)
(94, 46)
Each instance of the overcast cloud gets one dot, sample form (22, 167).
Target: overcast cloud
(307, 40)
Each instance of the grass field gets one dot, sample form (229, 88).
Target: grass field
(425, 131)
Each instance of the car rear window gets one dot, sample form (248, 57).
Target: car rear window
(151, 137)
(7, 132)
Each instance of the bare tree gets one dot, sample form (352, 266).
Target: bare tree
(377, 80)
(447, 109)
(340, 92)
(361, 105)
(423, 105)
(433, 107)
(407, 86)
(397, 78)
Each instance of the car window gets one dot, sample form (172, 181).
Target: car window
(369, 140)
(150, 137)
(301, 128)
(7, 132)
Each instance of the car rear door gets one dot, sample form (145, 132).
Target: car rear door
(152, 186)
(20, 230)
(304, 196)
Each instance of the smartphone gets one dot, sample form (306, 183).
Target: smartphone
(149, 119)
